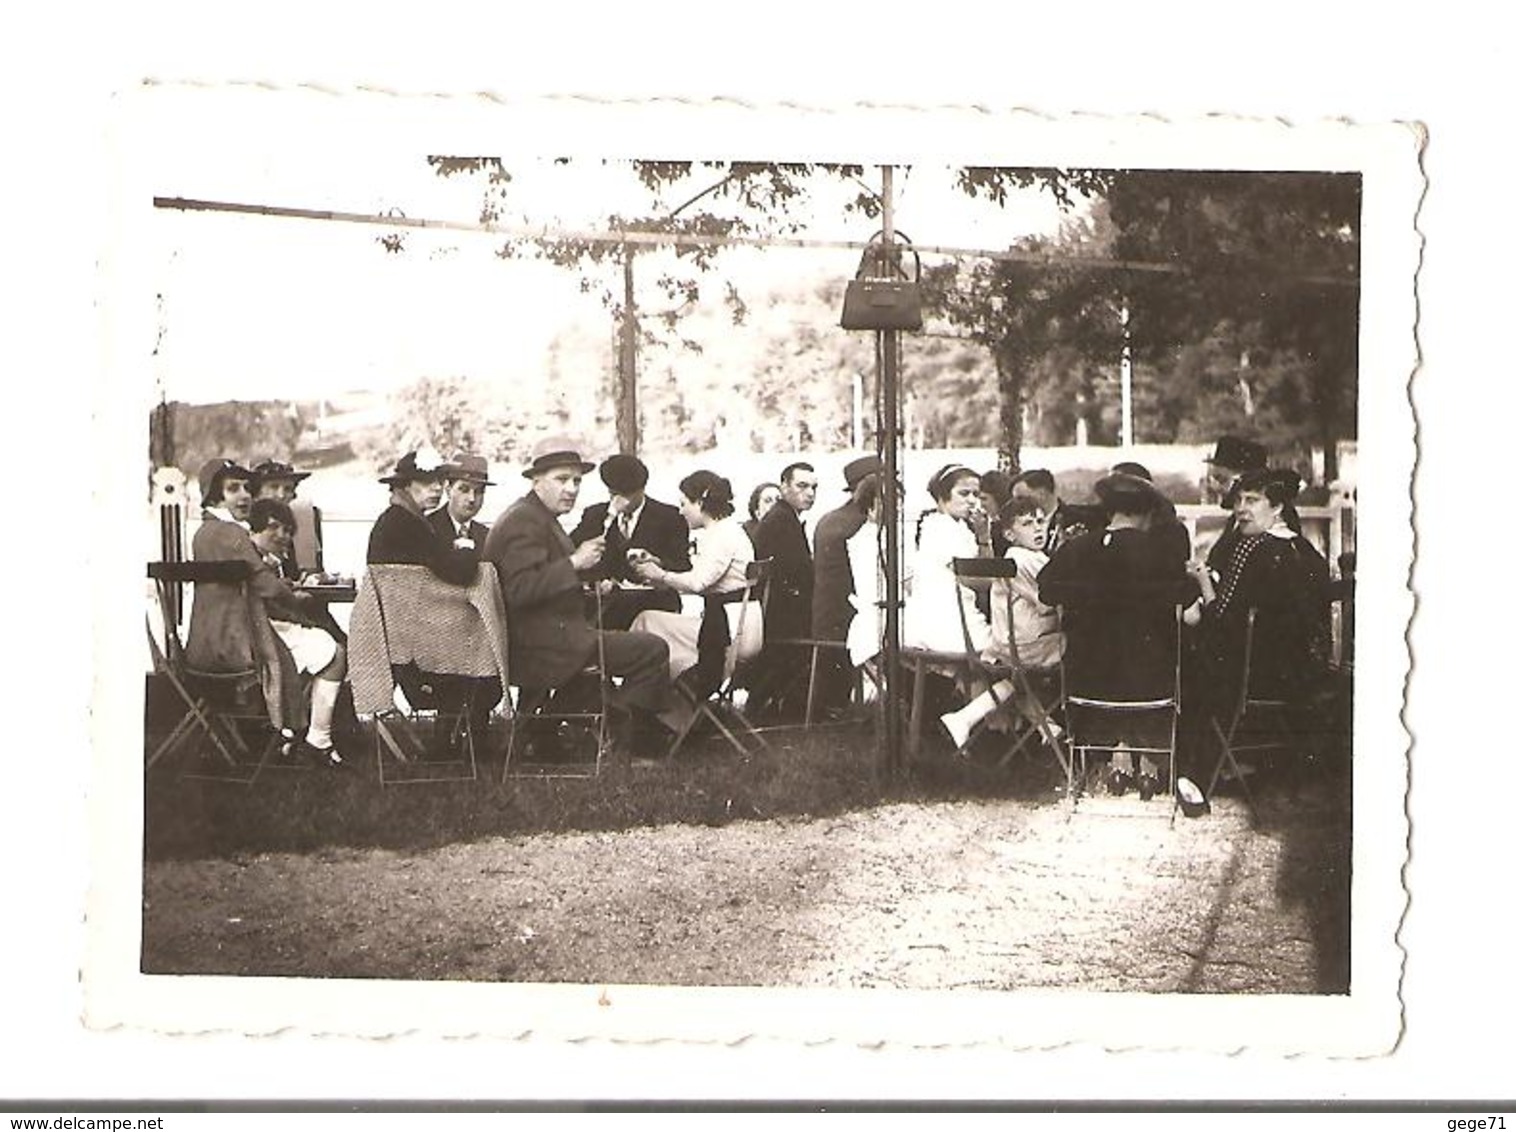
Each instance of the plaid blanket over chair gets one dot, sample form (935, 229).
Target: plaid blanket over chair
(406, 614)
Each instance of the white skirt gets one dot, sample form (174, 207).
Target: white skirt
(682, 632)
(313, 649)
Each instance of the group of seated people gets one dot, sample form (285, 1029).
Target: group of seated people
(1097, 589)
(651, 591)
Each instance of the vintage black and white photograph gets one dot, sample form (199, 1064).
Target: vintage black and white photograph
(592, 563)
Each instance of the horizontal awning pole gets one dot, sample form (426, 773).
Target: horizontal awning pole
(682, 239)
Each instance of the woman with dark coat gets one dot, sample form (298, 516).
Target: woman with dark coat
(1119, 589)
(1274, 570)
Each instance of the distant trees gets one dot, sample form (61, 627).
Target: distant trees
(186, 436)
(1252, 330)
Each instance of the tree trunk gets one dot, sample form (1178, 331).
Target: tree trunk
(1012, 397)
(626, 368)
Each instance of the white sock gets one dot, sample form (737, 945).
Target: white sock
(323, 705)
(1121, 759)
(961, 722)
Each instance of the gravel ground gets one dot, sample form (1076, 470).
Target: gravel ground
(986, 895)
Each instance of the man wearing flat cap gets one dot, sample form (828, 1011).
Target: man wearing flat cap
(630, 519)
(831, 607)
(542, 577)
(466, 477)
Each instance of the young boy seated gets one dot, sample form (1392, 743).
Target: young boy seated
(297, 620)
(1017, 615)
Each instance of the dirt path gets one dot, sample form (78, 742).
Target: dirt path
(992, 895)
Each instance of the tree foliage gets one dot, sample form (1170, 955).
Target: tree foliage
(1252, 328)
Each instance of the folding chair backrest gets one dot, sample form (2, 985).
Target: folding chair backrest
(981, 569)
(758, 573)
(168, 577)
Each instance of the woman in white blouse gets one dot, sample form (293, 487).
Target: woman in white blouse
(931, 612)
(698, 639)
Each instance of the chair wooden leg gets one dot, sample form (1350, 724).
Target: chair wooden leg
(918, 705)
(810, 690)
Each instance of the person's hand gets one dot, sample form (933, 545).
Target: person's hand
(588, 555)
(646, 569)
(605, 586)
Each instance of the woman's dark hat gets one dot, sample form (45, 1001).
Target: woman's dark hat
(854, 472)
(471, 469)
(1238, 454)
(421, 464)
(623, 474)
(212, 472)
(1128, 494)
(556, 452)
(1286, 479)
(1132, 468)
(273, 470)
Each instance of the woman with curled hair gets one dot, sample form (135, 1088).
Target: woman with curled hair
(944, 533)
(1272, 569)
(698, 635)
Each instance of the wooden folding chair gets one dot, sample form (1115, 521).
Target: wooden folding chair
(1171, 705)
(555, 712)
(720, 708)
(410, 605)
(219, 707)
(1250, 711)
(991, 674)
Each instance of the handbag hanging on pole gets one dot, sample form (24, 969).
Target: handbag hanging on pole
(882, 296)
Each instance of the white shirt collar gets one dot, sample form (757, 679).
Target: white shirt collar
(629, 520)
(225, 516)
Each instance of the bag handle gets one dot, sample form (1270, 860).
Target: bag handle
(874, 253)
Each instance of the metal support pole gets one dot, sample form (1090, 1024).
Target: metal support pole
(1126, 377)
(626, 362)
(889, 382)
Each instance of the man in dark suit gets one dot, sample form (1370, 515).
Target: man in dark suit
(630, 519)
(551, 640)
(787, 616)
(466, 478)
(831, 607)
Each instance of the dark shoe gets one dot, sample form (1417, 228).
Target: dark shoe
(1119, 783)
(325, 758)
(1147, 786)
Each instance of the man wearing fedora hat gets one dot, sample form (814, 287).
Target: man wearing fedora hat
(632, 520)
(831, 607)
(466, 478)
(542, 577)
